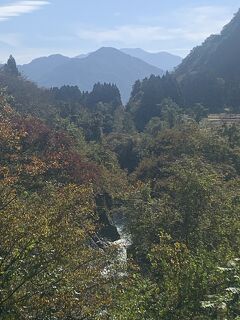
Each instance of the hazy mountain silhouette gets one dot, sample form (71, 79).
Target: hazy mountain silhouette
(163, 60)
(37, 69)
(104, 65)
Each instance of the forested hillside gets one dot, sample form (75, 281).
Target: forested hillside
(209, 76)
(76, 165)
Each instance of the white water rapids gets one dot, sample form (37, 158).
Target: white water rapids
(123, 243)
(119, 263)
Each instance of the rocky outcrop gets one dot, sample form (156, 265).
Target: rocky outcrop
(108, 230)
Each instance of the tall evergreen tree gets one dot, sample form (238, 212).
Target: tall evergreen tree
(11, 67)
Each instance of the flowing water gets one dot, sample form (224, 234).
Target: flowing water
(119, 264)
(123, 243)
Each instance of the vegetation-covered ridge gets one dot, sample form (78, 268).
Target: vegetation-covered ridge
(72, 163)
(209, 76)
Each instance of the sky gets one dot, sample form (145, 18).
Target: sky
(30, 29)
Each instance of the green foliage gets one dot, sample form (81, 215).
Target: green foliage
(104, 93)
(64, 175)
(135, 299)
(11, 67)
(68, 94)
(126, 148)
(198, 112)
(184, 219)
(51, 265)
(48, 268)
(225, 303)
(147, 96)
(208, 76)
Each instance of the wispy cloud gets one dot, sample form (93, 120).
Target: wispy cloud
(18, 8)
(129, 33)
(134, 34)
(191, 26)
(201, 21)
(10, 39)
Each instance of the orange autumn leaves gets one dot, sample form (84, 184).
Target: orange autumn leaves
(29, 148)
(49, 267)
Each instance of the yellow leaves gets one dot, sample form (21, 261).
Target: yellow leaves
(169, 254)
(47, 235)
(8, 110)
(117, 185)
(36, 167)
(10, 138)
(7, 178)
(47, 240)
(78, 194)
(4, 171)
(55, 160)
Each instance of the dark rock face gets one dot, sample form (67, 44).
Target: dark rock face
(108, 231)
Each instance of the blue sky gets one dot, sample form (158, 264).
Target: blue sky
(29, 29)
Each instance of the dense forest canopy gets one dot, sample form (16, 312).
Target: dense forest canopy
(78, 171)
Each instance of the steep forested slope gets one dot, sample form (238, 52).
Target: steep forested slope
(219, 54)
(211, 73)
(209, 77)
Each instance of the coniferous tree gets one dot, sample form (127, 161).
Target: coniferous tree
(11, 67)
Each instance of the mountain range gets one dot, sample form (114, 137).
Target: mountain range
(162, 60)
(209, 75)
(104, 65)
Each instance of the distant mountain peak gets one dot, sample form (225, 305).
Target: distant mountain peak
(109, 51)
(107, 64)
(54, 57)
(163, 60)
